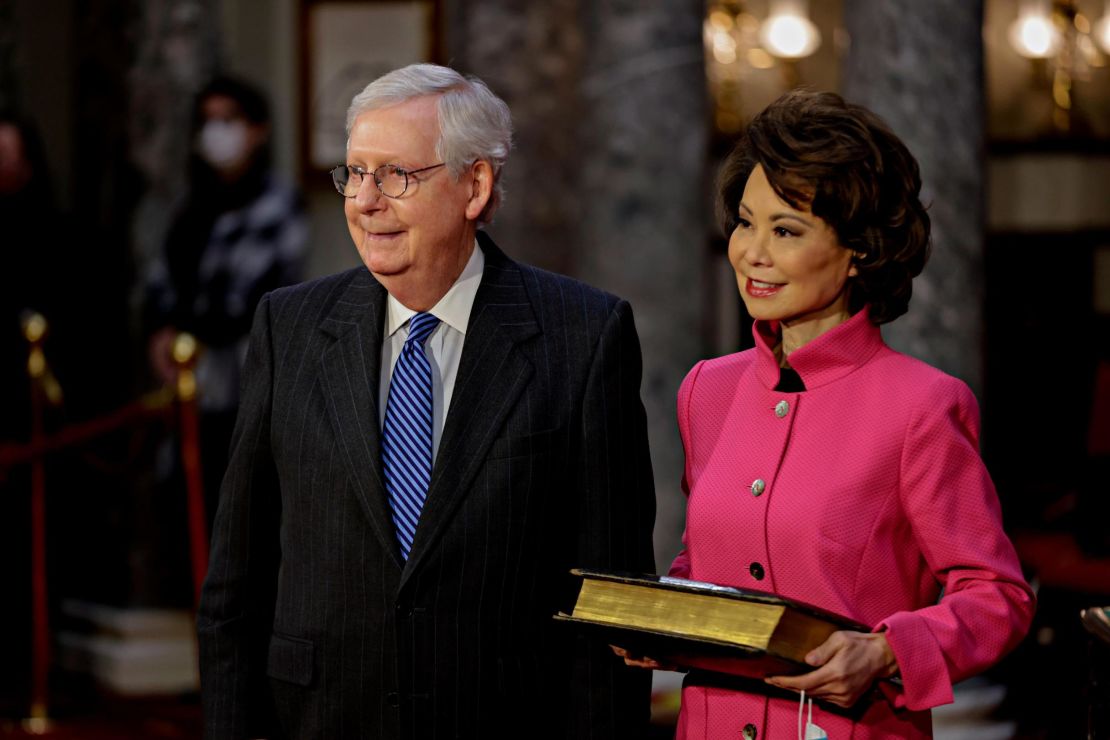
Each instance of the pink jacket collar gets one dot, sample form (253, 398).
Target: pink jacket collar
(828, 358)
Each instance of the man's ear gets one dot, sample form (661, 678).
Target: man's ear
(480, 180)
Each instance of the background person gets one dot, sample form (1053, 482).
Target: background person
(27, 214)
(825, 467)
(27, 282)
(241, 233)
(427, 444)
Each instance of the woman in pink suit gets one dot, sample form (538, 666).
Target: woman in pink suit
(826, 467)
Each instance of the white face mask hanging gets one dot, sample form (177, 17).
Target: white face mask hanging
(811, 731)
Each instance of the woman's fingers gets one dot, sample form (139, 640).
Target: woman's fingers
(637, 661)
(850, 662)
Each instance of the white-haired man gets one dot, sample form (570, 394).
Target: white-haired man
(425, 447)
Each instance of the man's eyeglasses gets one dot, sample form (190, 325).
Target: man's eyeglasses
(391, 180)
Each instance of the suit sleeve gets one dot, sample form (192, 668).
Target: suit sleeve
(235, 616)
(986, 607)
(680, 566)
(615, 522)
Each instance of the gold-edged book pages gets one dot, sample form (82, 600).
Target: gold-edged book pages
(701, 625)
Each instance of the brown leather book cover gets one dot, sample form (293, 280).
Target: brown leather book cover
(692, 624)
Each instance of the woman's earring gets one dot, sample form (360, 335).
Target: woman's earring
(853, 265)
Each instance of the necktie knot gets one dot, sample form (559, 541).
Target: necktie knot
(420, 326)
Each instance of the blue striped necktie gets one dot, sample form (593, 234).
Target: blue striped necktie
(407, 437)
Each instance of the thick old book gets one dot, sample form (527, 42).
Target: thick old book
(692, 624)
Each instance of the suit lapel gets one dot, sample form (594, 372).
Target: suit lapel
(351, 368)
(492, 374)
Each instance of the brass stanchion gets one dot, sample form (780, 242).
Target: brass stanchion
(45, 391)
(43, 388)
(184, 356)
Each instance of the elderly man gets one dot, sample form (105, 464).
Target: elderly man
(425, 446)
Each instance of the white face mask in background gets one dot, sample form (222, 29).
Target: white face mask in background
(223, 144)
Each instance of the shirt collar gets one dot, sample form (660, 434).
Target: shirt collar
(829, 357)
(454, 307)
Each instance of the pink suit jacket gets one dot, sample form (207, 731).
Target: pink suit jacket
(864, 495)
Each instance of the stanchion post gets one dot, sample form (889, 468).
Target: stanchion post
(35, 327)
(184, 356)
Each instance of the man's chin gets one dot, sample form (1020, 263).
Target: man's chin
(385, 271)
(382, 260)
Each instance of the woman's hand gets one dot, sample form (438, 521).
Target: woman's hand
(849, 663)
(640, 661)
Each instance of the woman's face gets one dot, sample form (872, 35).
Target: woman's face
(789, 265)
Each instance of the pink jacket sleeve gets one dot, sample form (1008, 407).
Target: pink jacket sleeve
(986, 606)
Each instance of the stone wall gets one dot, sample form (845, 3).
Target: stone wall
(920, 66)
(608, 180)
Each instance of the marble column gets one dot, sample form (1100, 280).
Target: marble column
(608, 180)
(644, 183)
(178, 52)
(920, 66)
(531, 54)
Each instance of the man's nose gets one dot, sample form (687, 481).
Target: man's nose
(368, 197)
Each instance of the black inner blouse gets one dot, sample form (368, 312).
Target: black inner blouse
(790, 381)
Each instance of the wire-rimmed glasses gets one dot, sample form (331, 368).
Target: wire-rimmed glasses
(392, 180)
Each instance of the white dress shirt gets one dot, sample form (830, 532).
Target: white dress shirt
(443, 346)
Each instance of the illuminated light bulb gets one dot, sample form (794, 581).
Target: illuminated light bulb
(720, 20)
(724, 55)
(724, 47)
(1101, 31)
(1034, 37)
(1033, 34)
(760, 59)
(789, 36)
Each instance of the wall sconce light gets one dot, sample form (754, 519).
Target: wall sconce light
(1063, 44)
(1102, 29)
(738, 45)
(788, 33)
(1033, 34)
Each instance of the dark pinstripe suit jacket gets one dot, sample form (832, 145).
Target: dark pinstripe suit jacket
(310, 624)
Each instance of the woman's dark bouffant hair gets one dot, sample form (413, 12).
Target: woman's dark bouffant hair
(849, 168)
